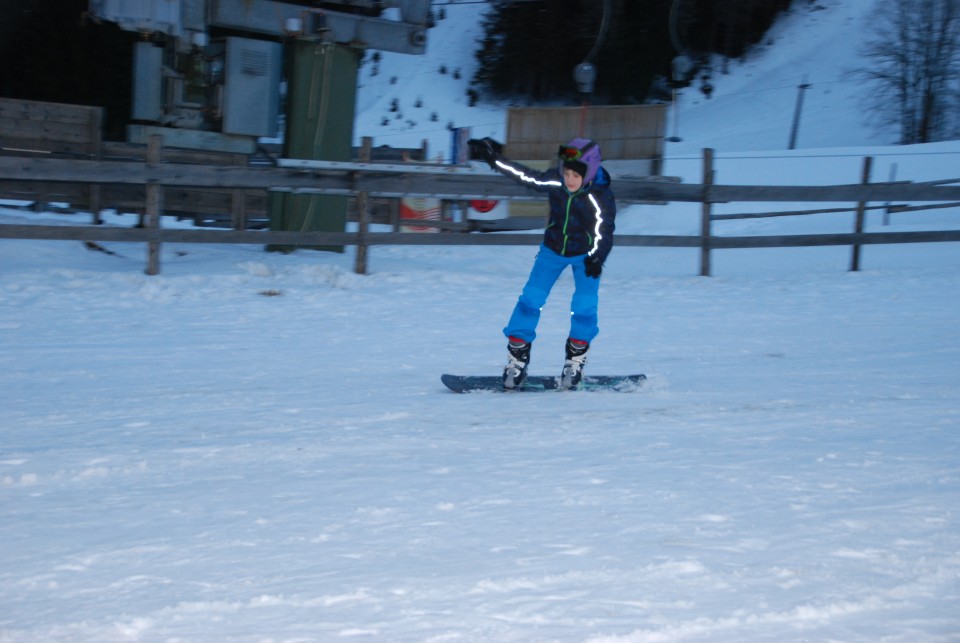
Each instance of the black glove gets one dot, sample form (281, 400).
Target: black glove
(593, 266)
(485, 149)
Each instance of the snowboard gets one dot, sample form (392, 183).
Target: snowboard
(535, 383)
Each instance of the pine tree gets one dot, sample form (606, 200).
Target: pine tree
(530, 48)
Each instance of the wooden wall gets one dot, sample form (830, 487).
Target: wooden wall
(624, 132)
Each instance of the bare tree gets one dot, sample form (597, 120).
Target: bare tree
(914, 68)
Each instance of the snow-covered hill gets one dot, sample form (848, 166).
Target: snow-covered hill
(429, 100)
(751, 107)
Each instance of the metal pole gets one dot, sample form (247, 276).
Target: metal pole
(676, 117)
(802, 87)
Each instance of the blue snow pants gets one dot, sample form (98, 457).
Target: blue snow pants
(583, 307)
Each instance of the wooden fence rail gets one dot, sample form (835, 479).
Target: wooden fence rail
(445, 182)
(255, 237)
(449, 182)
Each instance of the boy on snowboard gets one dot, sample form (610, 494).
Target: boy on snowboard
(579, 234)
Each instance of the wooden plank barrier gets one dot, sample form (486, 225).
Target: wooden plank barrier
(30, 127)
(56, 130)
(36, 128)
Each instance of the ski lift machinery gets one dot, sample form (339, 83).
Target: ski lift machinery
(208, 76)
(208, 72)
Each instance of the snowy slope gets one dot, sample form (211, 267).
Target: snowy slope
(751, 107)
(255, 447)
(413, 79)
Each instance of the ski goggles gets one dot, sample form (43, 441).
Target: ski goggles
(571, 153)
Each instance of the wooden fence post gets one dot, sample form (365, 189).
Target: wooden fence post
(705, 211)
(238, 209)
(886, 209)
(238, 199)
(861, 210)
(363, 212)
(95, 129)
(154, 205)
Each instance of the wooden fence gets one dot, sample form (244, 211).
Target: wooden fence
(30, 128)
(452, 183)
(624, 132)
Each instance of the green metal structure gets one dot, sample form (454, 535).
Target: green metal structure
(321, 98)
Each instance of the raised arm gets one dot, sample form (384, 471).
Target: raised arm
(489, 151)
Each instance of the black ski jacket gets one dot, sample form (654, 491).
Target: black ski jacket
(581, 223)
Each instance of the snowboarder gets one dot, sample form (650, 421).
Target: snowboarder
(579, 234)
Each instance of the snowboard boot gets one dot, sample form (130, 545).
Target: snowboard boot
(573, 365)
(516, 370)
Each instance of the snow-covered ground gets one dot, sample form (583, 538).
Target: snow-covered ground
(256, 447)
